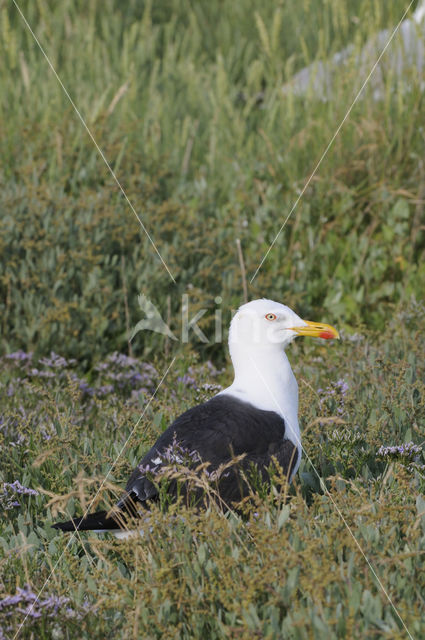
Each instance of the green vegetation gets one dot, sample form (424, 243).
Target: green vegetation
(193, 121)
(289, 569)
(185, 101)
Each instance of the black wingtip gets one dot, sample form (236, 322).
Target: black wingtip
(93, 521)
(103, 520)
(70, 525)
(65, 526)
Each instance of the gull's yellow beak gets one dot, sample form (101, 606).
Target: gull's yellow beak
(317, 330)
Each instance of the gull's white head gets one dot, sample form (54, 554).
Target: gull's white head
(259, 333)
(265, 324)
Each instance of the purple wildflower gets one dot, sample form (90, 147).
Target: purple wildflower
(104, 390)
(55, 361)
(212, 387)
(20, 439)
(46, 432)
(333, 397)
(17, 487)
(36, 373)
(10, 490)
(125, 373)
(119, 360)
(84, 387)
(146, 468)
(342, 386)
(19, 356)
(175, 453)
(188, 381)
(27, 603)
(212, 370)
(346, 436)
(207, 369)
(414, 466)
(405, 451)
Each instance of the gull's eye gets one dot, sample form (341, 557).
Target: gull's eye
(270, 316)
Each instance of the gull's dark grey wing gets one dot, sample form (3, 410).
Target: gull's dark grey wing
(213, 433)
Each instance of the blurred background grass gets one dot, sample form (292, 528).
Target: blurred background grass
(185, 99)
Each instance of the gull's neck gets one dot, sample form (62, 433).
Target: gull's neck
(264, 378)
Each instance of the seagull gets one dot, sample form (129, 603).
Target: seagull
(248, 426)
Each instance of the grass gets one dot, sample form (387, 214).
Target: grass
(290, 568)
(185, 101)
(206, 146)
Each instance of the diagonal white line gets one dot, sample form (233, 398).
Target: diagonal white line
(93, 140)
(325, 489)
(331, 142)
(72, 535)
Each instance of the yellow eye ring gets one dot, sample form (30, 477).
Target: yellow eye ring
(270, 316)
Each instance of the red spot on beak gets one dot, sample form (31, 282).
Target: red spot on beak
(327, 335)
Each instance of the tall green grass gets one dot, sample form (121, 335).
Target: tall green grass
(185, 101)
